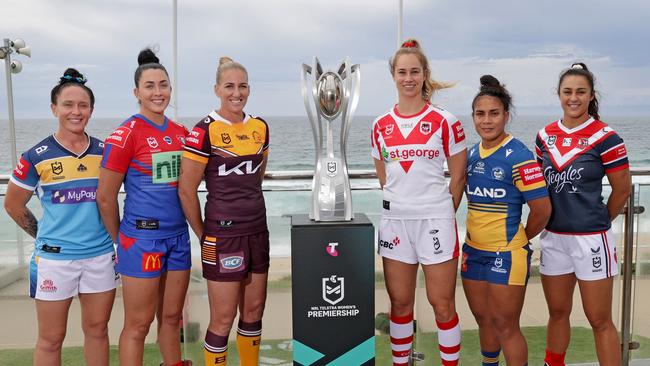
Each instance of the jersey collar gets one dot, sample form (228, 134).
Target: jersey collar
(484, 153)
(577, 128)
(217, 117)
(162, 127)
(62, 147)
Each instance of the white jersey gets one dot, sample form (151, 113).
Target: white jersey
(414, 149)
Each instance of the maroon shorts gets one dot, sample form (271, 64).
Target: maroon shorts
(233, 258)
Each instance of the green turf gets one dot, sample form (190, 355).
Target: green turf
(581, 350)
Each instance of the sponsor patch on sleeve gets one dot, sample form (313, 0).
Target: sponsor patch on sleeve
(119, 136)
(195, 138)
(459, 133)
(531, 174)
(21, 169)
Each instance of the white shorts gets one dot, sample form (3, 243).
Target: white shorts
(425, 241)
(591, 256)
(53, 280)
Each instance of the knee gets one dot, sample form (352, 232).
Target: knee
(559, 313)
(444, 309)
(51, 340)
(254, 311)
(504, 327)
(95, 329)
(600, 323)
(401, 308)
(138, 328)
(171, 318)
(483, 320)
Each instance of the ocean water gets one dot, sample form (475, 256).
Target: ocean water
(292, 146)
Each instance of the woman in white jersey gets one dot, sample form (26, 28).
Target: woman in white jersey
(410, 144)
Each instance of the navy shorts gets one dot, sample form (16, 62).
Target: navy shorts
(501, 268)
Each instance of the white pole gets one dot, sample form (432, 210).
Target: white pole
(12, 140)
(400, 14)
(175, 59)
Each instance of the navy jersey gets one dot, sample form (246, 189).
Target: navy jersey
(499, 181)
(66, 184)
(574, 162)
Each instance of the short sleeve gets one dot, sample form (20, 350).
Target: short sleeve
(24, 174)
(538, 149)
(375, 150)
(613, 153)
(197, 143)
(527, 176)
(453, 137)
(119, 150)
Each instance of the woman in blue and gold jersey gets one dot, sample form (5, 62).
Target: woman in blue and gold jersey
(230, 148)
(73, 253)
(502, 175)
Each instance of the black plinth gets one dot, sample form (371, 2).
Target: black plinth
(333, 291)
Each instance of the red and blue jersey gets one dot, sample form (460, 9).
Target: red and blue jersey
(66, 184)
(499, 181)
(149, 156)
(574, 162)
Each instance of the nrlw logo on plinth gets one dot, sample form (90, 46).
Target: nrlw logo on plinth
(333, 289)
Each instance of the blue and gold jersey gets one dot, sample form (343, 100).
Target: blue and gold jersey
(499, 181)
(66, 184)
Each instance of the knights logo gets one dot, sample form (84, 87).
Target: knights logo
(596, 262)
(225, 138)
(583, 143)
(550, 141)
(389, 129)
(333, 289)
(57, 167)
(153, 143)
(331, 168)
(425, 128)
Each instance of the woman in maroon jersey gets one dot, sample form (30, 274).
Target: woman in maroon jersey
(578, 245)
(230, 149)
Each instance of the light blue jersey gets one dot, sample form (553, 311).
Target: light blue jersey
(66, 184)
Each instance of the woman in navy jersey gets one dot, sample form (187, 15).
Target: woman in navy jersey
(502, 176)
(230, 149)
(410, 144)
(73, 253)
(153, 244)
(578, 245)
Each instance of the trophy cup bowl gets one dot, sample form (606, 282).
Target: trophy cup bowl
(329, 91)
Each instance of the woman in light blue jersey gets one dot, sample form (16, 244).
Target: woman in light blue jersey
(73, 253)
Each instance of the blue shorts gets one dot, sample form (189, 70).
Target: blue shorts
(501, 268)
(149, 258)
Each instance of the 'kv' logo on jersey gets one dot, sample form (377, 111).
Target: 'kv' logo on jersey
(243, 168)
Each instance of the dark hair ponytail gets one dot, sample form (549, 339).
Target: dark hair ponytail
(580, 69)
(71, 77)
(147, 60)
(491, 86)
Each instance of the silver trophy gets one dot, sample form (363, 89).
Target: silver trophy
(333, 94)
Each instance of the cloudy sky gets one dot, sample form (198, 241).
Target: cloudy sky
(524, 43)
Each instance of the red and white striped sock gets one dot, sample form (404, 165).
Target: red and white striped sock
(449, 341)
(401, 338)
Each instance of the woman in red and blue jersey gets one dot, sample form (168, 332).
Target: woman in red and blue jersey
(502, 176)
(153, 244)
(73, 253)
(578, 245)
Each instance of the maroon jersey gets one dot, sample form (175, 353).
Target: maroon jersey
(234, 154)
